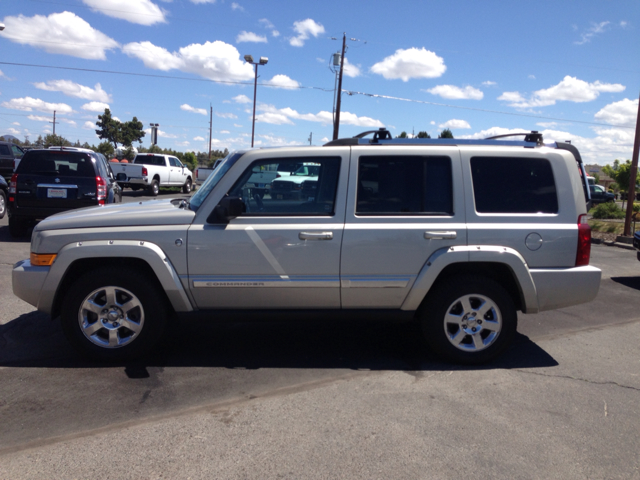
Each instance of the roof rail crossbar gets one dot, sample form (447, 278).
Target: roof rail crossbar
(533, 136)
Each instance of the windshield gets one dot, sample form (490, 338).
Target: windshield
(213, 179)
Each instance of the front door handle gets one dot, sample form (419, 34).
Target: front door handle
(440, 235)
(315, 235)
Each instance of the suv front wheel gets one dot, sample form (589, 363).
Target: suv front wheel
(469, 319)
(113, 314)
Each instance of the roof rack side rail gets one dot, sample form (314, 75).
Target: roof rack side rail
(380, 134)
(534, 137)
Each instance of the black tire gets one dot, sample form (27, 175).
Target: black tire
(3, 204)
(18, 227)
(154, 188)
(113, 299)
(186, 188)
(446, 322)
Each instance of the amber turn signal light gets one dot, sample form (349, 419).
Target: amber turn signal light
(42, 259)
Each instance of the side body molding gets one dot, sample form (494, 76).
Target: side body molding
(151, 253)
(473, 253)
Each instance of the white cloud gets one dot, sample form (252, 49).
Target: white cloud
(351, 70)
(305, 28)
(89, 125)
(189, 108)
(40, 118)
(16, 124)
(72, 89)
(489, 83)
(623, 112)
(198, 2)
(456, 93)
(226, 115)
(595, 29)
(13, 131)
(236, 6)
(282, 81)
(455, 124)
(142, 12)
(2, 75)
(244, 36)
(183, 144)
(95, 107)
(213, 60)
(67, 121)
(62, 33)
(410, 63)
(198, 139)
(161, 133)
(241, 99)
(237, 126)
(570, 89)
(531, 77)
(227, 132)
(29, 104)
(270, 26)
(270, 114)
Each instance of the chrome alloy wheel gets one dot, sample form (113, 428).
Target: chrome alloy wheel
(472, 322)
(111, 317)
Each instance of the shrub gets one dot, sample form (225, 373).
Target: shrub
(608, 210)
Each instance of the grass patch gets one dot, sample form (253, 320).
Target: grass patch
(607, 227)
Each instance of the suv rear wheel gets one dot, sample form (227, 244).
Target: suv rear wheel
(469, 319)
(3, 203)
(113, 314)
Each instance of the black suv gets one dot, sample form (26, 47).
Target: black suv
(55, 180)
(8, 153)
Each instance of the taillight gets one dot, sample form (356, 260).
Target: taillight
(13, 186)
(101, 190)
(144, 171)
(584, 241)
(278, 175)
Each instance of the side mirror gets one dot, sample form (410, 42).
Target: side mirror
(228, 209)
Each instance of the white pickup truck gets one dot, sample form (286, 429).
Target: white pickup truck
(152, 170)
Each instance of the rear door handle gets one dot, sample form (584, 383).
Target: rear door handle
(440, 235)
(315, 235)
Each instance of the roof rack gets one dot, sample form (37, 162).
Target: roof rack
(382, 136)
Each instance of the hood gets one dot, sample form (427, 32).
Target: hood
(136, 214)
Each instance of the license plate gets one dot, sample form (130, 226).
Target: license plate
(57, 193)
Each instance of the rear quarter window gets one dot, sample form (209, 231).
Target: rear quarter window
(513, 185)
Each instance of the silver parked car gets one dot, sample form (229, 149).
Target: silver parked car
(458, 235)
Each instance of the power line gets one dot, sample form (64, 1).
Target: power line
(349, 92)
(374, 95)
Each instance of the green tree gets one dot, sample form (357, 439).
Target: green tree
(423, 135)
(621, 173)
(117, 132)
(402, 135)
(190, 160)
(53, 140)
(106, 149)
(446, 133)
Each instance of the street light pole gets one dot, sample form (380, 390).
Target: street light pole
(336, 126)
(262, 61)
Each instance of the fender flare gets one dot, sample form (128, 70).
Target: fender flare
(148, 252)
(444, 257)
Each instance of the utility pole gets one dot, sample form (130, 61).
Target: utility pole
(54, 122)
(210, 128)
(336, 126)
(310, 138)
(633, 172)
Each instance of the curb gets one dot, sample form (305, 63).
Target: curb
(599, 241)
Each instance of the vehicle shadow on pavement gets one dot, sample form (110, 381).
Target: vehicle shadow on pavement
(631, 282)
(34, 340)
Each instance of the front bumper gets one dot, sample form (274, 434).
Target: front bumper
(28, 280)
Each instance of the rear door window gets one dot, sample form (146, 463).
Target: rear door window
(513, 185)
(404, 185)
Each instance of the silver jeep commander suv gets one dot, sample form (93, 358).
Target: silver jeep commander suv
(458, 235)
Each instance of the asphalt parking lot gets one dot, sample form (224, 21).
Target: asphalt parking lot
(327, 399)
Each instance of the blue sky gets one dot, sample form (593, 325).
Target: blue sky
(566, 68)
